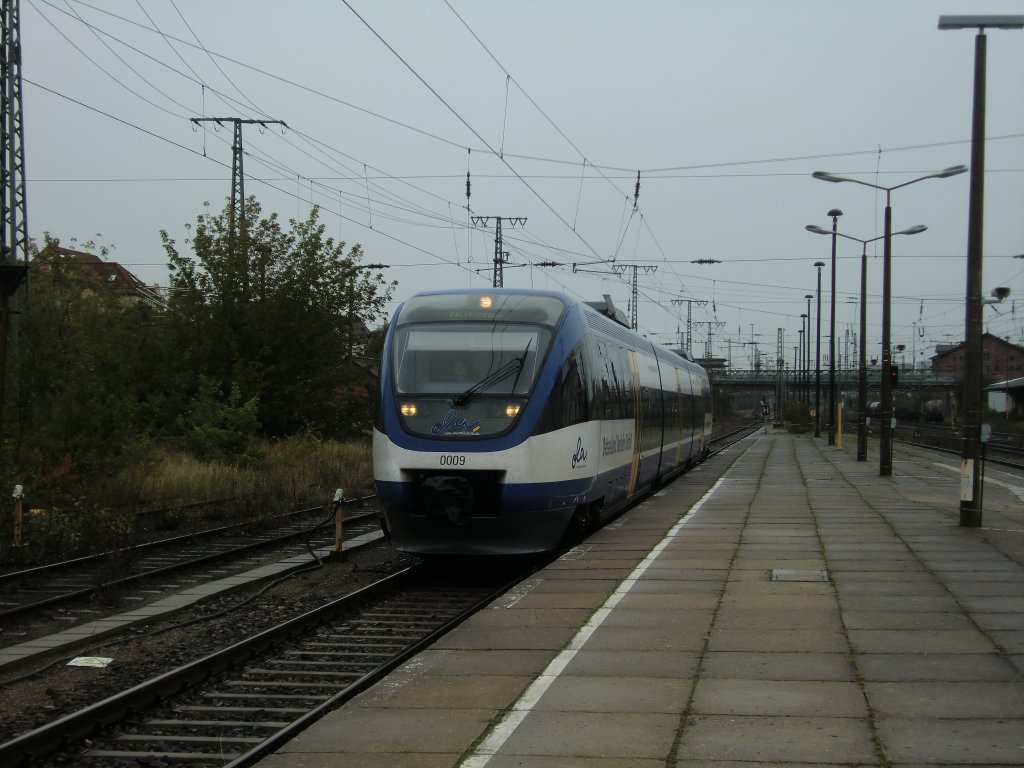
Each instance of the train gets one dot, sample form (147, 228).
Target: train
(511, 421)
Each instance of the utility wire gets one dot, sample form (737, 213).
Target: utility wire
(469, 127)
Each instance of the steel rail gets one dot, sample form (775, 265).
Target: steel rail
(47, 739)
(185, 562)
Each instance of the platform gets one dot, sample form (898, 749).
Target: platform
(781, 605)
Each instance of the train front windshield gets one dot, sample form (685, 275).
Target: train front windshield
(464, 364)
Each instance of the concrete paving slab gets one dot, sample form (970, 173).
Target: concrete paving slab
(765, 586)
(773, 620)
(987, 588)
(566, 761)
(953, 742)
(652, 638)
(680, 601)
(919, 641)
(790, 640)
(607, 694)
(778, 666)
(595, 735)
(1010, 641)
(935, 667)
(963, 700)
(816, 740)
(924, 603)
(891, 587)
(999, 604)
(778, 698)
(630, 664)
(855, 620)
(674, 621)
(801, 599)
(773, 764)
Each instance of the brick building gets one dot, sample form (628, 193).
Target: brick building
(1001, 359)
(108, 275)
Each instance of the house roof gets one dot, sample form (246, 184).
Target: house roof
(109, 272)
(1003, 386)
(946, 350)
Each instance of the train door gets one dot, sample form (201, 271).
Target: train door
(677, 416)
(638, 421)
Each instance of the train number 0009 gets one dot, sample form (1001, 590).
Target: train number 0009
(453, 461)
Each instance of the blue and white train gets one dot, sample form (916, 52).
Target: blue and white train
(512, 420)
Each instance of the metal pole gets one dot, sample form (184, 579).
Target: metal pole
(817, 362)
(835, 213)
(800, 370)
(862, 379)
(885, 428)
(970, 481)
(807, 366)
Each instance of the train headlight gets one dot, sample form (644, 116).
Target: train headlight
(512, 410)
(485, 302)
(408, 409)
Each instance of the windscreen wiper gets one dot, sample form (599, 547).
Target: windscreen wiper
(512, 366)
(522, 364)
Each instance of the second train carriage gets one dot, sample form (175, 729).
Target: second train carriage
(509, 418)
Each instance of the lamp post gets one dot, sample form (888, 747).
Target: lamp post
(817, 360)
(800, 368)
(970, 479)
(835, 213)
(886, 426)
(862, 362)
(807, 349)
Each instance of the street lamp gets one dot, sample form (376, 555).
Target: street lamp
(800, 369)
(817, 361)
(970, 479)
(885, 430)
(807, 348)
(835, 213)
(862, 378)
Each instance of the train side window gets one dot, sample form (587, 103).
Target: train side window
(606, 375)
(570, 397)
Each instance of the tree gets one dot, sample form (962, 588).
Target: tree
(92, 387)
(271, 313)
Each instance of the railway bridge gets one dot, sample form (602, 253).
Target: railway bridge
(751, 388)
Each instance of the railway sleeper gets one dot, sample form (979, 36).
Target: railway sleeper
(175, 757)
(230, 696)
(268, 686)
(251, 675)
(268, 724)
(163, 740)
(187, 708)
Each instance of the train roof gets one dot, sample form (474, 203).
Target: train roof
(617, 324)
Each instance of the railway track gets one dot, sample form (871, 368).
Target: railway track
(1002, 449)
(28, 592)
(234, 706)
(720, 441)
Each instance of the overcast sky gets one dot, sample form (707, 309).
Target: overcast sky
(725, 108)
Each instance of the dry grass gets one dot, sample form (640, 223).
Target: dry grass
(168, 492)
(299, 470)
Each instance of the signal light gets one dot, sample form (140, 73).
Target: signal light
(894, 375)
